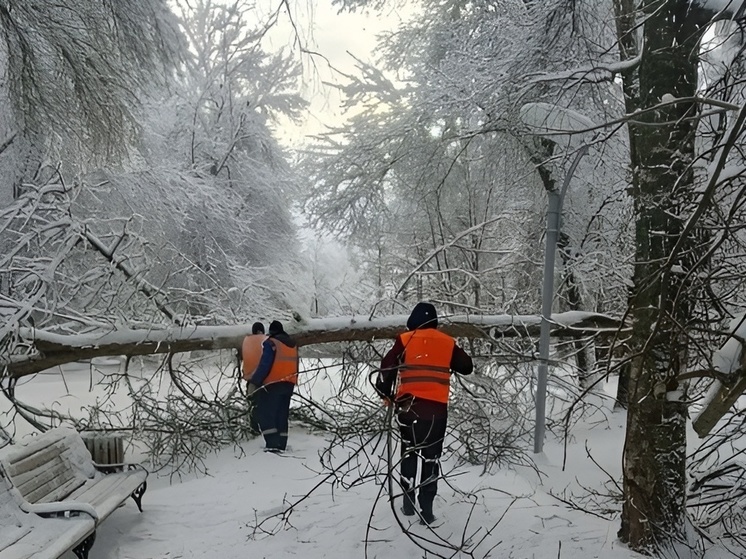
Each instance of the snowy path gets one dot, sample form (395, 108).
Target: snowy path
(207, 517)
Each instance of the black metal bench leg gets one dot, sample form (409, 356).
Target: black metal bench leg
(82, 549)
(138, 493)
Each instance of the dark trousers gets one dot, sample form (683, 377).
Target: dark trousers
(253, 422)
(272, 411)
(422, 444)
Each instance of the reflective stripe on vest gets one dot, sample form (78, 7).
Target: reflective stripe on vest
(425, 371)
(251, 353)
(285, 366)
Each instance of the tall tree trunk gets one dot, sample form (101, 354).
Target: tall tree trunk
(625, 16)
(654, 464)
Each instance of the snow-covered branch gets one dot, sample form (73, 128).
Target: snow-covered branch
(730, 362)
(53, 349)
(588, 74)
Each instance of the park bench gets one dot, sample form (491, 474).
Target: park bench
(27, 535)
(54, 473)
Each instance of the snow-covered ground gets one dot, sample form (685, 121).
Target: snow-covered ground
(239, 508)
(509, 515)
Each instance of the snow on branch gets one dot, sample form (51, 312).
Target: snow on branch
(552, 120)
(51, 349)
(730, 361)
(590, 74)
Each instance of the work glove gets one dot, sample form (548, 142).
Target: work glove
(251, 388)
(404, 403)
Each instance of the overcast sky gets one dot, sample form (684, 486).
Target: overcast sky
(333, 35)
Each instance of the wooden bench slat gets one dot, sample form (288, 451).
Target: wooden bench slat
(31, 482)
(46, 475)
(62, 492)
(48, 485)
(12, 535)
(24, 477)
(17, 453)
(120, 485)
(35, 460)
(88, 492)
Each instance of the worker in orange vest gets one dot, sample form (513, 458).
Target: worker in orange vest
(251, 354)
(272, 385)
(415, 375)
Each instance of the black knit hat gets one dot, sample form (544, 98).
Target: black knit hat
(257, 328)
(423, 316)
(275, 327)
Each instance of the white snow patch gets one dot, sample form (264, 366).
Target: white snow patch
(552, 120)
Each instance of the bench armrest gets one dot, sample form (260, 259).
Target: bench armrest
(63, 508)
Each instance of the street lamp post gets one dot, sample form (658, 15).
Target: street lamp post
(554, 219)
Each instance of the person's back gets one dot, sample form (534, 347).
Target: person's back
(285, 365)
(251, 350)
(422, 344)
(415, 375)
(251, 354)
(425, 371)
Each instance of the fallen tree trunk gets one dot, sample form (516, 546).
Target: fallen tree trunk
(51, 349)
(721, 396)
(729, 364)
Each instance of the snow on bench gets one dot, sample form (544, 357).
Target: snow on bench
(26, 535)
(55, 473)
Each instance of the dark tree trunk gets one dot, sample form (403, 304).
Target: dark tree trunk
(622, 389)
(655, 450)
(574, 303)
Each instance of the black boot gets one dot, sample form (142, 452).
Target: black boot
(407, 507)
(426, 513)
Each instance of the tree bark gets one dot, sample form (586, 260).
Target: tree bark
(50, 349)
(575, 303)
(654, 461)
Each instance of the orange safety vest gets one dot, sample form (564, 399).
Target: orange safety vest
(426, 370)
(251, 353)
(285, 366)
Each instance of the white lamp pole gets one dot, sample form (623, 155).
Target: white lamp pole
(554, 219)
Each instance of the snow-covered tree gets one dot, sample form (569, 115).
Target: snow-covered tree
(73, 73)
(185, 229)
(207, 151)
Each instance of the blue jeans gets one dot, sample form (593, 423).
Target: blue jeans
(272, 411)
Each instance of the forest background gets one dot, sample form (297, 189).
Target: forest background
(148, 207)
